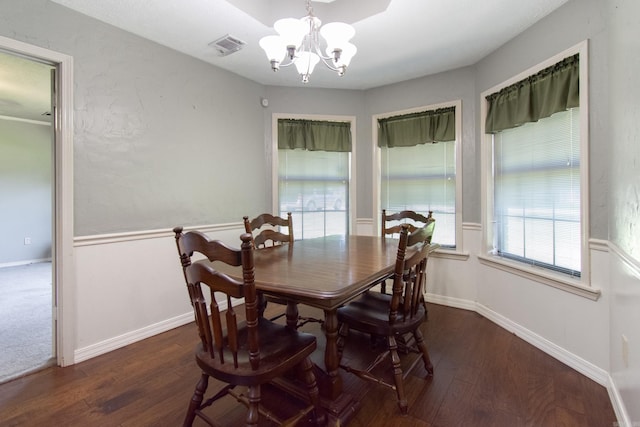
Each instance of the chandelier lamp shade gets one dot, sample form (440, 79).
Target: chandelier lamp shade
(305, 42)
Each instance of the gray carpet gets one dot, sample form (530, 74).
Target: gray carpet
(25, 319)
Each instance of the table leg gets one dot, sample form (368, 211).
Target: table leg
(340, 407)
(292, 314)
(331, 359)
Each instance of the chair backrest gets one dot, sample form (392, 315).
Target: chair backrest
(392, 223)
(410, 272)
(204, 283)
(269, 236)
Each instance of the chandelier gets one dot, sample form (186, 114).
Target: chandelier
(301, 42)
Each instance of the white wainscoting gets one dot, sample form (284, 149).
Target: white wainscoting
(130, 287)
(625, 318)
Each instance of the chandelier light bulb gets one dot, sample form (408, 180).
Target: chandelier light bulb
(342, 56)
(337, 34)
(275, 50)
(305, 63)
(291, 30)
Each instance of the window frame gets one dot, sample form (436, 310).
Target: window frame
(582, 285)
(275, 206)
(377, 171)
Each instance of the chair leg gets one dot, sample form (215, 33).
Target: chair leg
(423, 301)
(318, 415)
(397, 375)
(254, 405)
(196, 400)
(342, 336)
(423, 349)
(262, 304)
(383, 287)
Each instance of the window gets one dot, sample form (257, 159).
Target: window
(536, 167)
(314, 175)
(537, 192)
(419, 156)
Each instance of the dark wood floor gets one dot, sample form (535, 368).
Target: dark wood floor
(484, 376)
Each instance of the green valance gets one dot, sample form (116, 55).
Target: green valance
(549, 91)
(314, 135)
(413, 129)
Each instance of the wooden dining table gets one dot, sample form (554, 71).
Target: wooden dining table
(325, 273)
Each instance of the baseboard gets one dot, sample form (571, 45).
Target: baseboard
(586, 368)
(24, 262)
(618, 405)
(451, 302)
(123, 340)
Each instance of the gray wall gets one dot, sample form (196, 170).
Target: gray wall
(624, 143)
(453, 85)
(25, 191)
(161, 139)
(430, 90)
(157, 131)
(574, 22)
(624, 196)
(328, 102)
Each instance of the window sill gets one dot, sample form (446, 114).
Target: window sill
(450, 254)
(541, 276)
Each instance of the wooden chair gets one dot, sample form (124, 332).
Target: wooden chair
(265, 232)
(392, 224)
(393, 316)
(248, 353)
(270, 235)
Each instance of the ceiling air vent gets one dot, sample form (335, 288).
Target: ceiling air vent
(227, 45)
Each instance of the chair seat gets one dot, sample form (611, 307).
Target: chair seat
(370, 314)
(378, 299)
(280, 348)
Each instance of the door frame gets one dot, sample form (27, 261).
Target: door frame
(62, 248)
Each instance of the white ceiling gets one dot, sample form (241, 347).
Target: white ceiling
(25, 88)
(397, 40)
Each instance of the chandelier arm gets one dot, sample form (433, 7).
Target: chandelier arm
(326, 59)
(327, 63)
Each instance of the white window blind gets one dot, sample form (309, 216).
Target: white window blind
(314, 187)
(422, 178)
(537, 192)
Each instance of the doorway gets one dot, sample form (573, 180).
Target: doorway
(27, 147)
(62, 277)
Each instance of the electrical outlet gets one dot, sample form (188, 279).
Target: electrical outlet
(27, 240)
(625, 351)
